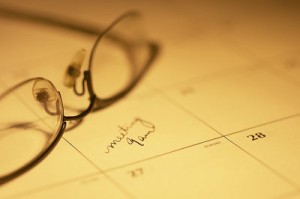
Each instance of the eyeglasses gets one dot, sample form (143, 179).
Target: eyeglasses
(32, 111)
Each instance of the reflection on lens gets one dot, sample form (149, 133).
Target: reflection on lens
(31, 117)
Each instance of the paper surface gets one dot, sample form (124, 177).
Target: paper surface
(217, 116)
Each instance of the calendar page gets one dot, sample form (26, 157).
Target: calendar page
(216, 116)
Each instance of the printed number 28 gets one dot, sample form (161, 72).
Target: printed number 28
(256, 136)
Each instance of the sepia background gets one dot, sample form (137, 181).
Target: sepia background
(223, 96)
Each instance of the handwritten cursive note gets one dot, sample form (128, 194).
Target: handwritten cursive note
(136, 133)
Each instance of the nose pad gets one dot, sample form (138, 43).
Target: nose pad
(74, 69)
(44, 92)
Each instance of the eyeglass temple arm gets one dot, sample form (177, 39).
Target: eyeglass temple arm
(48, 19)
(23, 125)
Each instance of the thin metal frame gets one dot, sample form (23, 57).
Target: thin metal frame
(96, 103)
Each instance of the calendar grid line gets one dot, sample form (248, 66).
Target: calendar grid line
(150, 158)
(274, 171)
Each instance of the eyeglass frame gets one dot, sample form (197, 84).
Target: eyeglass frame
(96, 103)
